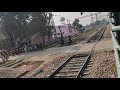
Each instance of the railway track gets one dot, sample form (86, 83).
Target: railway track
(10, 63)
(23, 74)
(98, 36)
(72, 67)
(75, 65)
(77, 39)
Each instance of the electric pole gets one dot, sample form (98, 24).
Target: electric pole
(96, 17)
(91, 17)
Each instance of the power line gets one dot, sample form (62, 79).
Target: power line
(89, 15)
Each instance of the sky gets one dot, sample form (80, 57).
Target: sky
(72, 15)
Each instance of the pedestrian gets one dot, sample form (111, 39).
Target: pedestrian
(0, 53)
(41, 47)
(70, 41)
(35, 46)
(25, 48)
(4, 55)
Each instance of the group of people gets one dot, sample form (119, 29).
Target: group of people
(32, 47)
(28, 47)
(24, 47)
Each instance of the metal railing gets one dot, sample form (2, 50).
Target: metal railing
(116, 46)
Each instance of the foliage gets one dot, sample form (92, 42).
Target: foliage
(97, 22)
(76, 25)
(21, 24)
(92, 24)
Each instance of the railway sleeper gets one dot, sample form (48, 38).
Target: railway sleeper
(72, 65)
(75, 62)
(70, 75)
(80, 60)
(64, 77)
(16, 65)
(86, 73)
(72, 68)
(79, 57)
(6, 63)
(23, 74)
(67, 73)
(89, 65)
(69, 70)
(91, 62)
(87, 69)
(13, 63)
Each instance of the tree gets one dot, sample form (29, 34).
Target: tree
(62, 20)
(14, 24)
(22, 24)
(103, 21)
(80, 26)
(43, 20)
(76, 25)
(92, 24)
(97, 22)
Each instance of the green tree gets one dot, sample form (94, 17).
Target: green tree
(92, 24)
(97, 22)
(22, 24)
(13, 23)
(62, 20)
(76, 25)
(42, 20)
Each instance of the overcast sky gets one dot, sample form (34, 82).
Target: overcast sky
(72, 15)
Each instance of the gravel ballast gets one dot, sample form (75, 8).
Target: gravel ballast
(103, 65)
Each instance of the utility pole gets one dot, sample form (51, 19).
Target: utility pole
(70, 29)
(68, 21)
(81, 13)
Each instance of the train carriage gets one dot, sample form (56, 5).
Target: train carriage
(115, 32)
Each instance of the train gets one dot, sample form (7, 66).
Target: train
(115, 32)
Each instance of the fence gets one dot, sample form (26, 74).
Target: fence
(116, 46)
